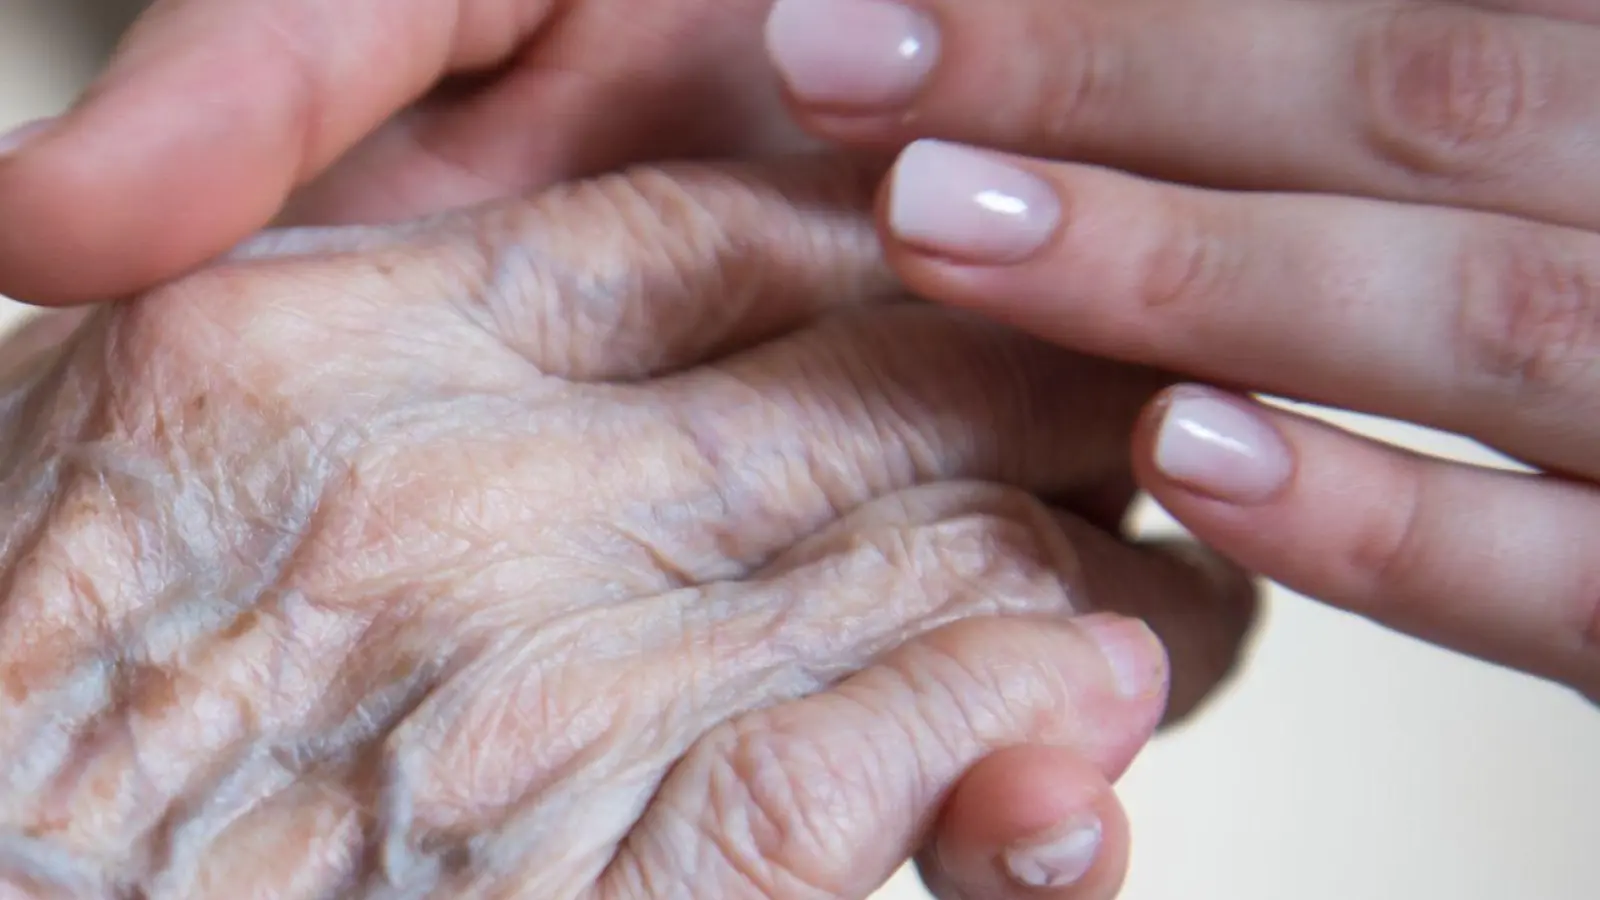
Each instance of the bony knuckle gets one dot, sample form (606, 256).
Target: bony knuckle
(770, 814)
(985, 558)
(1529, 314)
(976, 684)
(1450, 90)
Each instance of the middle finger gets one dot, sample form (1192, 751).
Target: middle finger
(1469, 322)
(1435, 103)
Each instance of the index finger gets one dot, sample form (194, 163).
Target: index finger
(210, 114)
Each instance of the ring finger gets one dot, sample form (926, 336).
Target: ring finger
(1497, 564)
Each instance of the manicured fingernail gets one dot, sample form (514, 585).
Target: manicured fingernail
(1056, 858)
(18, 137)
(1221, 447)
(969, 205)
(1137, 660)
(854, 53)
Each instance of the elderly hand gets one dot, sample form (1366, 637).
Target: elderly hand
(628, 543)
(216, 113)
(1399, 219)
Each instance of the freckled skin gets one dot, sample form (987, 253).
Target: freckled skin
(594, 546)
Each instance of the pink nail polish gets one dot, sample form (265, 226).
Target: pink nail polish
(1221, 447)
(969, 205)
(857, 53)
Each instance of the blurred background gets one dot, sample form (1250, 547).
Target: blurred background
(1345, 763)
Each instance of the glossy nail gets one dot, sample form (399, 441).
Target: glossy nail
(969, 205)
(1221, 447)
(18, 137)
(1137, 660)
(1057, 858)
(851, 53)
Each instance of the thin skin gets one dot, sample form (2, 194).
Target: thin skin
(485, 558)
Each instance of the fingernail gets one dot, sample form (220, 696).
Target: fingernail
(1137, 660)
(1220, 447)
(1057, 858)
(859, 53)
(18, 137)
(969, 205)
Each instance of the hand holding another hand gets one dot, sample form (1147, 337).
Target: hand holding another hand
(631, 542)
(218, 117)
(1387, 207)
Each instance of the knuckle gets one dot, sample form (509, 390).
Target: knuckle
(1187, 263)
(296, 33)
(1388, 549)
(1065, 90)
(1528, 314)
(775, 801)
(979, 684)
(1450, 90)
(984, 561)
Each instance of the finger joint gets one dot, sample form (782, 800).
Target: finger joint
(1388, 554)
(765, 828)
(1528, 315)
(1186, 263)
(1451, 91)
(1069, 85)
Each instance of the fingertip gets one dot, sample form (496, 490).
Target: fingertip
(1013, 239)
(1224, 466)
(1213, 445)
(1034, 822)
(866, 58)
(1133, 654)
(968, 206)
(120, 195)
(206, 119)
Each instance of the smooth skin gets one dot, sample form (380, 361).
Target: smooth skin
(1388, 207)
(216, 117)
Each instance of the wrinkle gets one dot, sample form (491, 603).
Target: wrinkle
(356, 605)
(42, 864)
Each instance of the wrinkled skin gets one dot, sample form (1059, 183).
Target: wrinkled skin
(487, 558)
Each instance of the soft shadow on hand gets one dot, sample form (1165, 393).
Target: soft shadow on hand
(635, 541)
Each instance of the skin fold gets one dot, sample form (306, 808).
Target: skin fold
(635, 540)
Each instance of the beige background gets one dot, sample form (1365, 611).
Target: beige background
(1347, 763)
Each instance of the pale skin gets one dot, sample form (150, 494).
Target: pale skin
(615, 543)
(378, 112)
(1415, 237)
(1380, 206)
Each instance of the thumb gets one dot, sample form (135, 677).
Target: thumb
(209, 115)
(1029, 823)
(825, 796)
